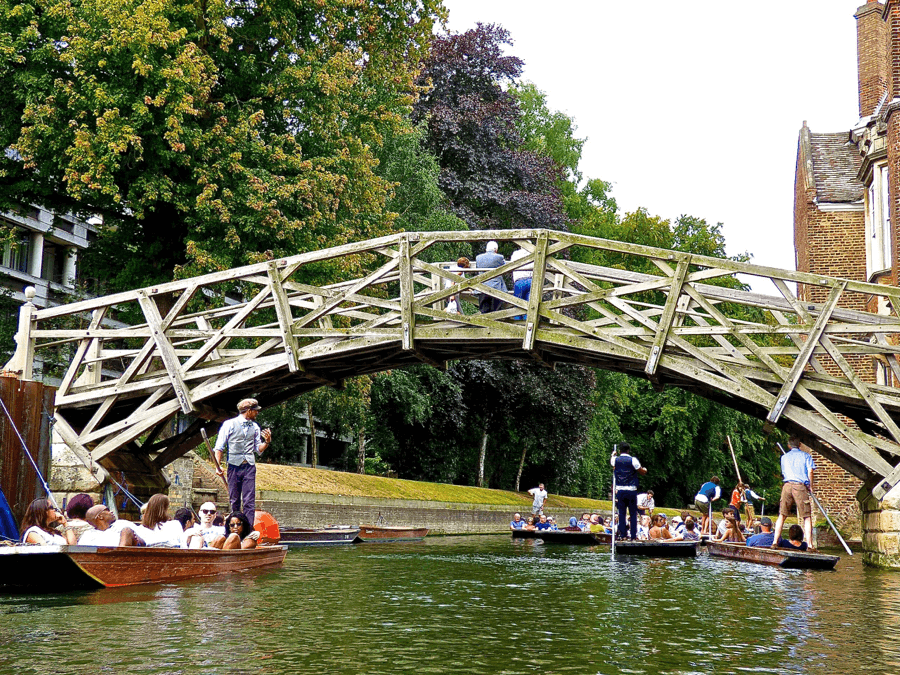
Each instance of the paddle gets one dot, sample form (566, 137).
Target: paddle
(824, 512)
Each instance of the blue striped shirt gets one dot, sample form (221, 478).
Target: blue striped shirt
(242, 438)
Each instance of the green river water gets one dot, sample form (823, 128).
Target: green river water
(481, 604)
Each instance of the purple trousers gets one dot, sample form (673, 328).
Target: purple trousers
(242, 489)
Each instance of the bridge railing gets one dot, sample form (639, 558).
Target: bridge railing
(281, 327)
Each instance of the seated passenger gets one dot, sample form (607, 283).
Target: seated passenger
(690, 530)
(517, 523)
(552, 521)
(730, 528)
(107, 530)
(41, 524)
(795, 539)
(206, 534)
(240, 533)
(766, 536)
(163, 532)
(659, 531)
(542, 524)
(585, 523)
(643, 531)
(76, 510)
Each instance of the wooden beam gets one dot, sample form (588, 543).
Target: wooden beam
(285, 318)
(166, 352)
(407, 317)
(668, 315)
(535, 298)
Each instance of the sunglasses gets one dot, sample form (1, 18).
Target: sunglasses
(207, 510)
(235, 524)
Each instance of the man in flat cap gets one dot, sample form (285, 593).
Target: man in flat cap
(244, 440)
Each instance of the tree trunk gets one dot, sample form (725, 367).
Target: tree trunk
(361, 453)
(521, 465)
(481, 454)
(313, 441)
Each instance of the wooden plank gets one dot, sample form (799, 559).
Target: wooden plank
(535, 298)
(407, 317)
(665, 322)
(77, 361)
(166, 352)
(805, 353)
(285, 318)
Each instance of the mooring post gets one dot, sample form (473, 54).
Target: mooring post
(22, 361)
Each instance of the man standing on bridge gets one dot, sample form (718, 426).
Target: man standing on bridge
(627, 470)
(488, 260)
(797, 471)
(244, 440)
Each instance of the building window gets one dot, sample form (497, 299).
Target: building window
(878, 222)
(15, 256)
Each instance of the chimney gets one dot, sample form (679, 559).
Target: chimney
(872, 27)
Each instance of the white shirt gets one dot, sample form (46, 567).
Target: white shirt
(539, 497)
(525, 271)
(645, 502)
(95, 537)
(47, 538)
(208, 534)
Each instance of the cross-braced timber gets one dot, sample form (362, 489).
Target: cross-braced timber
(281, 328)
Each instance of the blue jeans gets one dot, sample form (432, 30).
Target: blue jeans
(522, 289)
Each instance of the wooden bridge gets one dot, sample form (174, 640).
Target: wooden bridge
(129, 362)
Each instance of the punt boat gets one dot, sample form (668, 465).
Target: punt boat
(384, 534)
(566, 536)
(659, 549)
(780, 557)
(326, 536)
(48, 569)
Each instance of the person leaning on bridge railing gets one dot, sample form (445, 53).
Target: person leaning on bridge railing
(488, 260)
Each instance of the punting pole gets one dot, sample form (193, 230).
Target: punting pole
(212, 455)
(615, 511)
(736, 469)
(824, 513)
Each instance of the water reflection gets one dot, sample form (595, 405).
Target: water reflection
(471, 605)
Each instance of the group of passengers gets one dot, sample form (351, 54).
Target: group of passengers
(88, 524)
(685, 527)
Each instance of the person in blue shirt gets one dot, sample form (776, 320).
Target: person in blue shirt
(627, 470)
(797, 469)
(517, 523)
(543, 524)
(703, 500)
(795, 539)
(764, 538)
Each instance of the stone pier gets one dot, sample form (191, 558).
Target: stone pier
(880, 527)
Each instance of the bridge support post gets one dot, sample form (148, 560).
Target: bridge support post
(880, 527)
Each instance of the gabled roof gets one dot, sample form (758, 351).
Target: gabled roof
(835, 166)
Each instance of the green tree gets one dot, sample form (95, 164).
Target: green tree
(209, 133)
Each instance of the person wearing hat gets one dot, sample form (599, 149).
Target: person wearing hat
(766, 536)
(244, 440)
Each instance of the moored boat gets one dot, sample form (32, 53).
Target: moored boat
(780, 557)
(384, 534)
(41, 569)
(327, 536)
(659, 549)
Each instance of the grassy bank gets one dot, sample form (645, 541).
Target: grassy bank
(315, 481)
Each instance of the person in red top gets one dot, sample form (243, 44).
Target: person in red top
(737, 496)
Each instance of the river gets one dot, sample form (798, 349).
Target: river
(480, 604)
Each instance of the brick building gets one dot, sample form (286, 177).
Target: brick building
(846, 207)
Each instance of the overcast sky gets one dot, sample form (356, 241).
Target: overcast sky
(691, 107)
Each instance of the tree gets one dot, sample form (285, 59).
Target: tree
(206, 134)
(491, 179)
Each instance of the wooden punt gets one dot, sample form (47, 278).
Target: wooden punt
(327, 536)
(41, 569)
(780, 557)
(384, 534)
(575, 537)
(659, 549)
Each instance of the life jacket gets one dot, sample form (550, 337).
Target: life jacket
(626, 474)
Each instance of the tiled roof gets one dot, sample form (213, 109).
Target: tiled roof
(835, 164)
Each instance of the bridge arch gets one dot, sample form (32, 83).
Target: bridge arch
(131, 361)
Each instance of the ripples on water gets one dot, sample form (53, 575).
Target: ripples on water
(470, 605)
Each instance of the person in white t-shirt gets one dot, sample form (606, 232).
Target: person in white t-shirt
(540, 496)
(646, 504)
(165, 532)
(205, 535)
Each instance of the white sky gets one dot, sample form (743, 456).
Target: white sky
(691, 107)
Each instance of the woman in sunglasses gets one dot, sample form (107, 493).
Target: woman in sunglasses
(41, 522)
(240, 533)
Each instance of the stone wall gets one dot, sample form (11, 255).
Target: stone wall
(881, 528)
(293, 509)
